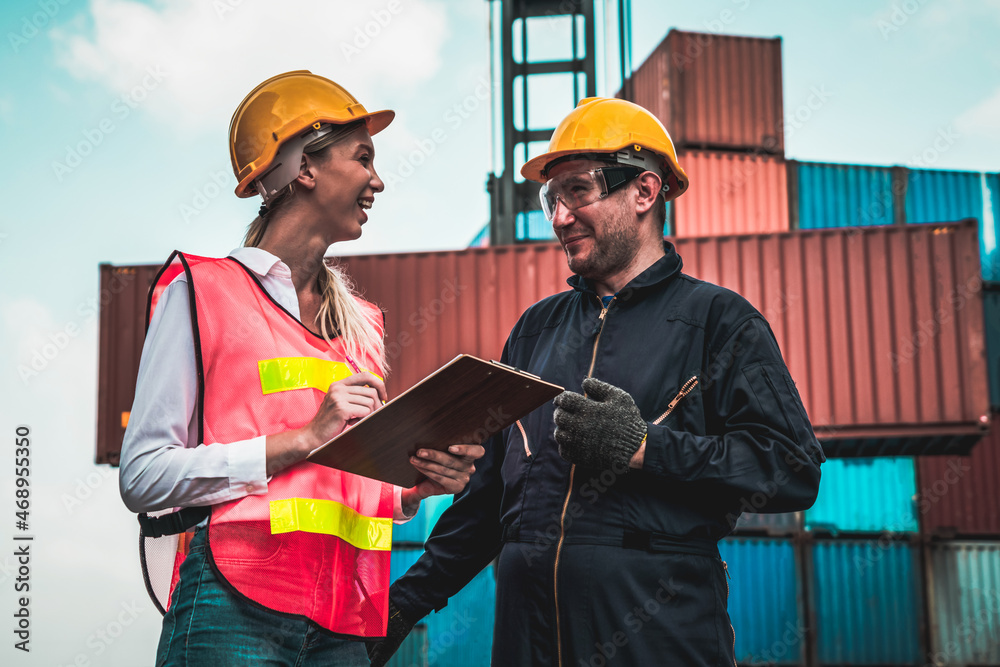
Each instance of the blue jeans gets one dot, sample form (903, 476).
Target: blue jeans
(208, 625)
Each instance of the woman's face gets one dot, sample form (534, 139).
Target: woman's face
(346, 184)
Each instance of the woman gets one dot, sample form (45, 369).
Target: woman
(270, 353)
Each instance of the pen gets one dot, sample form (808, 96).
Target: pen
(354, 366)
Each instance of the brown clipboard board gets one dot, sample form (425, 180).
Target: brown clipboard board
(463, 402)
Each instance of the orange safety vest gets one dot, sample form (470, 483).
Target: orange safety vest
(317, 544)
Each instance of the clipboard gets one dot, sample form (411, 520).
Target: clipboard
(464, 402)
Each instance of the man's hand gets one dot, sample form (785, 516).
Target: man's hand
(381, 650)
(446, 472)
(601, 430)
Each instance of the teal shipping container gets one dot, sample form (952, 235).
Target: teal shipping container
(482, 239)
(461, 634)
(764, 600)
(964, 602)
(416, 530)
(841, 195)
(866, 602)
(944, 196)
(991, 326)
(866, 495)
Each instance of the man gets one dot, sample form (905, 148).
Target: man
(605, 507)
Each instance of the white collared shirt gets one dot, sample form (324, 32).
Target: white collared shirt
(162, 463)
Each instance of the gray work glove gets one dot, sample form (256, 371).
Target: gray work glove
(399, 627)
(600, 430)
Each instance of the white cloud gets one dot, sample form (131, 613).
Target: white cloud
(983, 119)
(207, 55)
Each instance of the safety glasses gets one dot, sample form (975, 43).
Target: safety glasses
(582, 188)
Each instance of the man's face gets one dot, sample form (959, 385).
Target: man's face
(599, 239)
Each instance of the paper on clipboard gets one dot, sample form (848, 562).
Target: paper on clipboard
(463, 402)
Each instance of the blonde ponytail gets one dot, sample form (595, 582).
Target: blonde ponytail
(359, 328)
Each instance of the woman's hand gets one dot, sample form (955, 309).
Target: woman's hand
(446, 472)
(354, 397)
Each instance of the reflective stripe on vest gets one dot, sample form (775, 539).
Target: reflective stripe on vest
(289, 373)
(328, 517)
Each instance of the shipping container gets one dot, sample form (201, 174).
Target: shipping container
(991, 322)
(416, 530)
(866, 495)
(934, 195)
(718, 92)
(731, 193)
(964, 602)
(840, 195)
(787, 523)
(122, 329)
(991, 229)
(866, 602)
(881, 327)
(765, 604)
(460, 634)
(960, 495)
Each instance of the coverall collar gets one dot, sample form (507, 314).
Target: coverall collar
(661, 270)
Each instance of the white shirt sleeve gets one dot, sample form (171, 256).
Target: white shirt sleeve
(162, 463)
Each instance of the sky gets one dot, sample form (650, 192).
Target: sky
(114, 122)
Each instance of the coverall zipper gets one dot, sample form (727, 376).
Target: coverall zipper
(685, 390)
(569, 491)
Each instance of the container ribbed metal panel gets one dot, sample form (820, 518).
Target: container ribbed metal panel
(764, 600)
(936, 196)
(461, 634)
(964, 602)
(991, 323)
(715, 91)
(866, 495)
(959, 494)
(122, 331)
(731, 193)
(843, 195)
(867, 601)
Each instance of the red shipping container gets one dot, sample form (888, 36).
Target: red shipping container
(731, 193)
(719, 92)
(958, 495)
(882, 327)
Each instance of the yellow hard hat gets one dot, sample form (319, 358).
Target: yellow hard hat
(283, 108)
(617, 129)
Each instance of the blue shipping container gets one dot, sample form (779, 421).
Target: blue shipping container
(965, 607)
(764, 600)
(419, 527)
(867, 603)
(866, 495)
(459, 635)
(773, 524)
(843, 195)
(990, 228)
(482, 239)
(944, 196)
